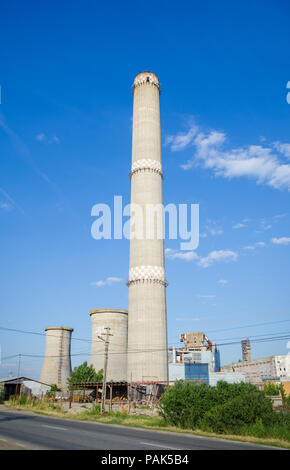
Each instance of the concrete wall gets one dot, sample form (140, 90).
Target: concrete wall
(57, 362)
(117, 320)
(35, 388)
(257, 369)
(229, 377)
(147, 324)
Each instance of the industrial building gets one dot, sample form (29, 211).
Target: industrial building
(199, 359)
(117, 321)
(23, 385)
(258, 371)
(147, 323)
(197, 349)
(56, 367)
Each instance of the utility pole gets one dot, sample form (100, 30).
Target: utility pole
(19, 362)
(104, 388)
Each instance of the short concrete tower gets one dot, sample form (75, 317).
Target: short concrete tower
(147, 325)
(117, 321)
(57, 361)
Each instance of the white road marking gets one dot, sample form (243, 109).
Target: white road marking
(53, 427)
(158, 445)
(4, 440)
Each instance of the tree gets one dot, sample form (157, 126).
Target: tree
(271, 389)
(53, 389)
(85, 373)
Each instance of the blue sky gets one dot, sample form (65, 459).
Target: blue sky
(65, 145)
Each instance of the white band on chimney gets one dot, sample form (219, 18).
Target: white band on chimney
(147, 273)
(146, 164)
(146, 79)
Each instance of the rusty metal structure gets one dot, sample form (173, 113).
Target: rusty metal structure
(122, 393)
(195, 341)
(246, 350)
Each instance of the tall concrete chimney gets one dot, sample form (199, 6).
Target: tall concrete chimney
(57, 361)
(147, 324)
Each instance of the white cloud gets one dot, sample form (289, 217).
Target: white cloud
(107, 282)
(279, 216)
(263, 163)
(214, 231)
(186, 255)
(212, 228)
(256, 245)
(216, 256)
(9, 203)
(98, 283)
(240, 225)
(5, 206)
(41, 137)
(206, 261)
(265, 225)
(187, 319)
(223, 282)
(181, 141)
(282, 148)
(281, 241)
(206, 296)
(49, 140)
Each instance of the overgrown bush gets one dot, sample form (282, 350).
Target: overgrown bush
(23, 399)
(94, 410)
(231, 415)
(54, 407)
(185, 404)
(227, 408)
(271, 389)
(51, 393)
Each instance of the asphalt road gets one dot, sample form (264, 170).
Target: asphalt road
(24, 430)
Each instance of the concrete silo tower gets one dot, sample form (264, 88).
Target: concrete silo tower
(57, 361)
(117, 321)
(147, 325)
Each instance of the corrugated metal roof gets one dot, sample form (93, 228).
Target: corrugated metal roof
(19, 379)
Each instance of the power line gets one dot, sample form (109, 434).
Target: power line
(41, 334)
(228, 343)
(96, 340)
(256, 336)
(248, 326)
